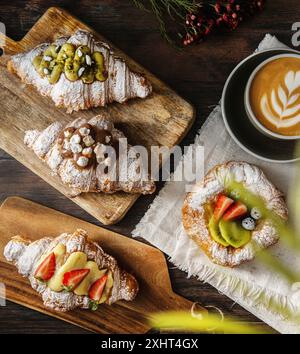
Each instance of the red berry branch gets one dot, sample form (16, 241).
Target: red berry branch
(220, 15)
(200, 18)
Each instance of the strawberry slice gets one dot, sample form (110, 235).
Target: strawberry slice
(73, 278)
(236, 210)
(46, 269)
(222, 204)
(97, 288)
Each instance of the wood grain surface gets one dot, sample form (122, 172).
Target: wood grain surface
(197, 73)
(162, 119)
(21, 217)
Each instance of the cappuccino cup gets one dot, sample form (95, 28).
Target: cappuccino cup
(272, 97)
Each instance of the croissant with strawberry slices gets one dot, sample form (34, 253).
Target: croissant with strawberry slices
(71, 271)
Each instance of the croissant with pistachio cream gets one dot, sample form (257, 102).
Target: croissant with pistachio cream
(79, 73)
(71, 271)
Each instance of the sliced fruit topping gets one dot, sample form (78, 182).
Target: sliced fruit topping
(236, 210)
(215, 233)
(248, 224)
(222, 204)
(234, 234)
(255, 213)
(97, 288)
(76, 260)
(73, 278)
(108, 287)
(94, 274)
(46, 269)
(60, 253)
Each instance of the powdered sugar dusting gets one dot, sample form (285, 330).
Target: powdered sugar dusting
(31, 255)
(26, 257)
(14, 250)
(253, 179)
(122, 84)
(44, 142)
(91, 178)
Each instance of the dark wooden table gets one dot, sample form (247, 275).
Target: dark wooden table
(198, 74)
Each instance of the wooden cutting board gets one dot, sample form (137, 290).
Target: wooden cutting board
(162, 119)
(23, 217)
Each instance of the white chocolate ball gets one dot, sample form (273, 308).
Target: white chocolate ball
(76, 139)
(76, 148)
(82, 161)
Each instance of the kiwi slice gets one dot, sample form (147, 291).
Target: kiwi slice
(214, 230)
(233, 233)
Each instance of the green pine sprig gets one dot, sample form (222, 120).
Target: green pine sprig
(173, 8)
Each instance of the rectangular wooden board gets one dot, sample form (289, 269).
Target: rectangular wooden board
(162, 119)
(147, 264)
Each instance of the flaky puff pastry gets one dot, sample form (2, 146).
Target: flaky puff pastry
(195, 218)
(26, 256)
(47, 145)
(121, 85)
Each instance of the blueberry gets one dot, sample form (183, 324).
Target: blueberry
(255, 213)
(248, 224)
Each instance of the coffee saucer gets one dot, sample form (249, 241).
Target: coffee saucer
(237, 121)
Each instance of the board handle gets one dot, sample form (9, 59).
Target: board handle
(8, 45)
(176, 302)
(5, 43)
(181, 303)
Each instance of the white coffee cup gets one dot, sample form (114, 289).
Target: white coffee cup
(248, 107)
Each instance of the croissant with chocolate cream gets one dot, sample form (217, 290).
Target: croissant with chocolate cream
(80, 154)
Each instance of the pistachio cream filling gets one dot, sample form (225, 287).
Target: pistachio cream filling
(76, 62)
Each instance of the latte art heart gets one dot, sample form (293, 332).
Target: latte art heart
(275, 96)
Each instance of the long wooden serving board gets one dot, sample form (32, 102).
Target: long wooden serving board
(162, 119)
(23, 217)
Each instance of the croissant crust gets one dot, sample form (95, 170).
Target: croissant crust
(195, 219)
(45, 145)
(122, 83)
(25, 255)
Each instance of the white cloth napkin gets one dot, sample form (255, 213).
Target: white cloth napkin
(251, 285)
